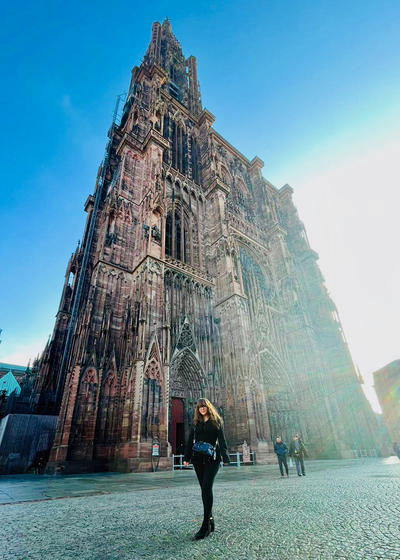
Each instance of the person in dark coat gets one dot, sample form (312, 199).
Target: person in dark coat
(281, 451)
(298, 452)
(207, 427)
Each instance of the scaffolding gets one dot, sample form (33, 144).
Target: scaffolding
(86, 252)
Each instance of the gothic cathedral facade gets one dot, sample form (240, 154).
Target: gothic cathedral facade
(200, 281)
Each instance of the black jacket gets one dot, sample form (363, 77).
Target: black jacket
(208, 432)
(300, 453)
(280, 449)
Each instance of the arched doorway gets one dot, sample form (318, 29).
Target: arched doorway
(187, 384)
(177, 433)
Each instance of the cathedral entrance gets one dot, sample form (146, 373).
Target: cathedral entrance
(177, 437)
(187, 385)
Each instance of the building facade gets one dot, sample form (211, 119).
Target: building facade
(387, 387)
(199, 281)
(18, 372)
(16, 387)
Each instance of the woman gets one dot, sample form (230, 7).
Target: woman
(207, 427)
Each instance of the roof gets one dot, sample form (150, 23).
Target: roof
(12, 367)
(9, 383)
(392, 367)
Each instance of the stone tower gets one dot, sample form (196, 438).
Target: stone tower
(199, 282)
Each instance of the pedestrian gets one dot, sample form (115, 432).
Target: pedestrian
(281, 451)
(298, 452)
(205, 447)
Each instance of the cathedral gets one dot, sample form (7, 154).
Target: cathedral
(194, 279)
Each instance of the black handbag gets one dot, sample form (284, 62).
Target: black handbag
(203, 448)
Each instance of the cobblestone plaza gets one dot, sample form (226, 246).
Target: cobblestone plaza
(341, 509)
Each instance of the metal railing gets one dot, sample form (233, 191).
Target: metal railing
(362, 453)
(235, 458)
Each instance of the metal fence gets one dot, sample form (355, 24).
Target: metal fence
(361, 453)
(235, 458)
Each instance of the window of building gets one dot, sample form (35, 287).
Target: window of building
(179, 148)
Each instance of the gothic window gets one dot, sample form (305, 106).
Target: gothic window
(157, 124)
(174, 91)
(240, 191)
(71, 279)
(172, 72)
(110, 235)
(107, 408)
(152, 400)
(225, 175)
(86, 404)
(178, 233)
(174, 145)
(195, 161)
(195, 255)
(135, 122)
(170, 188)
(166, 126)
(255, 283)
(166, 134)
(168, 235)
(181, 233)
(186, 241)
(179, 149)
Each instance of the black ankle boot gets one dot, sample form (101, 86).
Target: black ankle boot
(212, 524)
(204, 530)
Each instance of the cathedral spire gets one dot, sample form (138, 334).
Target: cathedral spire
(166, 24)
(164, 50)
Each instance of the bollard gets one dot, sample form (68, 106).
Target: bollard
(238, 459)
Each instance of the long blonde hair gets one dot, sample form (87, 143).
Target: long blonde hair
(213, 415)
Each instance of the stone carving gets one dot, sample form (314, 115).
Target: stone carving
(246, 452)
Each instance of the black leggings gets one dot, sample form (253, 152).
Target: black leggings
(206, 473)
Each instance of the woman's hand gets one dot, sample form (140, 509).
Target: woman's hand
(185, 463)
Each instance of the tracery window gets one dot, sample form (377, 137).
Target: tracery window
(195, 153)
(255, 284)
(152, 400)
(107, 408)
(168, 235)
(166, 126)
(181, 235)
(178, 234)
(240, 191)
(86, 405)
(186, 240)
(225, 175)
(179, 148)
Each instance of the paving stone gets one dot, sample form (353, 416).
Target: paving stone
(340, 510)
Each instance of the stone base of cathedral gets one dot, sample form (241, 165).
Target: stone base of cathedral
(74, 467)
(118, 465)
(264, 454)
(144, 465)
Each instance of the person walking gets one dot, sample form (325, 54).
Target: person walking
(298, 452)
(281, 451)
(205, 447)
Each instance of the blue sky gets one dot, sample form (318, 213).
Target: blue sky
(310, 87)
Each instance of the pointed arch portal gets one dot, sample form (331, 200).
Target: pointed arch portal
(187, 385)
